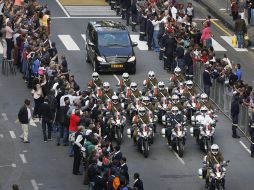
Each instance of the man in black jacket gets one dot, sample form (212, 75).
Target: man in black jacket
(125, 4)
(235, 109)
(45, 113)
(24, 116)
(138, 184)
(207, 80)
(149, 32)
(240, 30)
(124, 170)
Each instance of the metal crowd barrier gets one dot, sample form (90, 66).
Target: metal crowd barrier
(221, 95)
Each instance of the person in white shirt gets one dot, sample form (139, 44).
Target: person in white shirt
(173, 12)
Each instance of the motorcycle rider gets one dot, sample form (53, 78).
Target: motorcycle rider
(95, 82)
(146, 103)
(133, 95)
(149, 83)
(175, 118)
(205, 102)
(124, 83)
(176, 102)
(161, 91)
(190, 90)
(138, 120)
(213, 157)
(116, 105)
(107, 92)
(177, 77)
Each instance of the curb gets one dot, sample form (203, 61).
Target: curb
(223, 19)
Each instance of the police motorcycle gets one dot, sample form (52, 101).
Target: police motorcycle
(141, 132)
(202, 117)
(122, 87)
(191, 107)
(94, 83)
(217, 174)
(149, 84)
(206, 137)
(174, 130)
(164, 107)
(118, 122)
(180, 91)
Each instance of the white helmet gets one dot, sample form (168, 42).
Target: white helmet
(203, 110)
(106, 86)
(204, 97)
(134, 86)
(177, 71)
(175, 98)
(174, 110)
(189, 84)
(141, 111)
(161, 85)
(145, 100)
(125, 76)
(95, 76)
(115, 99)
(151, 75)
(215, 149)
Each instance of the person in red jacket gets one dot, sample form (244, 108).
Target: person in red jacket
(73, 127)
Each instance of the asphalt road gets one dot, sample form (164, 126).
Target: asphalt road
(45, 166)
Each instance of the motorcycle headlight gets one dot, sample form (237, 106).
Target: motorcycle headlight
(101, 59)
(131, 59)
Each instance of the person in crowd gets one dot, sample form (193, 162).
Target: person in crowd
(189, 11)
(77, 148)
(207, 80)
(238, 71)
(206, 38)
(134, 15)
(9, 39)
(235, 109)
(38, 98)
(149, 32)
(46, 116)
(138, 184)
(124, 170)
(234, 9)
(240, 31)
(24, 117)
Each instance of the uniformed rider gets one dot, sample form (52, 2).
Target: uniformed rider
(177, 77)
(205, 102)
(150, 83)
(107, 92)
(124, 83)
(161, 91)
(95, 81)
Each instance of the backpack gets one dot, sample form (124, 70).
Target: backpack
(116, 183)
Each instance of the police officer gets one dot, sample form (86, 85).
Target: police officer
(95, 82)
(177, 77)
(116, 106)
(205, 102)
(146, 103)
(175, 102)
(161, 91)
(133, 92)
(150, 82)
(124, 83)
(107, 92)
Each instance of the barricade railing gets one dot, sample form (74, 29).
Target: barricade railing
(221, 94)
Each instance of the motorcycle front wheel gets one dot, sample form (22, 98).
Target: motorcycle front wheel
(146, 149)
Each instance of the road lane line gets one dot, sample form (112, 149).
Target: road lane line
(116, 77)
(83, 36)
(4, 115)
(217, 46)
(63, 9)
(95, 17)
(178, 157)
(228, 39)
(9, 165)
(1, 136)
(220, 27)
(12, 134)
(68, 42)
(34, 184)
(23, 158)
(245, 147)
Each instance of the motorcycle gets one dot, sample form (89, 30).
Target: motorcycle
(206, 137)
(118, 123)
(178, 139)
(191, 107)
(163, 108)
(144, 138)
(217, 176)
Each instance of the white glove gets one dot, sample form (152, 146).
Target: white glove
(83, 149)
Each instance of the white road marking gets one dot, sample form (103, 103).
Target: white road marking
(9, 165)
(63, 9)
(23, 158)
(222, 9)
(83, 36)
(88, 17)
(68, 42)
(178, 157)
(90, 10)
(34, 184)
(4, 115)
(25, 151)
(217, 46)
(141, 44)
(245, 147)
(116, 77)
(12, 134)
(1, 136)
(200, 19)
(1, 48)
(40, 184)
(228, 39)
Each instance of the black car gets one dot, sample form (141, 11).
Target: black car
(109, 47)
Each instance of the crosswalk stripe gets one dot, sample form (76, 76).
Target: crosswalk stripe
(141, 44)
(90, 10)
(83, 36)
(68, 42)
(228, 39)
(217, 46)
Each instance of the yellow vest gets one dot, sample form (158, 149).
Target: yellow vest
(45, 20)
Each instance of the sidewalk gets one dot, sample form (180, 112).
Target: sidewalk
(218, 8)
